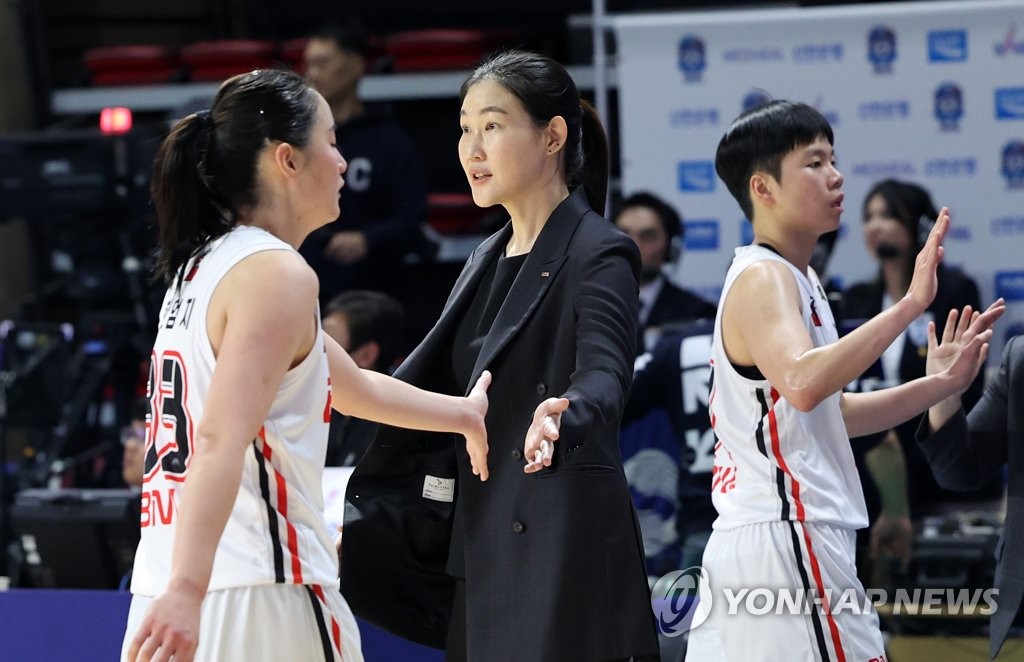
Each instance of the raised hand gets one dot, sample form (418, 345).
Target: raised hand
(539, 446)
(925, 282)
(476, 435)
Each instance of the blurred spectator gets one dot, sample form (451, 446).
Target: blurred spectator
(369, 326)
(133, 440)
(668, 447)
(658, 231)
(897, 218)
(384, 201)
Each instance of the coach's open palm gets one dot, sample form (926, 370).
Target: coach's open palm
(964, 345)
(476, 435)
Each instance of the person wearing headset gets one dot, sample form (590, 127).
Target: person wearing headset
(658, 230)
(897, 218)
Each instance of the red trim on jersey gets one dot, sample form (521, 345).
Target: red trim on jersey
(282, 507)
(711, 397)
(816, 571)
(335, 627)
(773, 428)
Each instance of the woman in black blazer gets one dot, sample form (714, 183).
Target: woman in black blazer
(543, 560)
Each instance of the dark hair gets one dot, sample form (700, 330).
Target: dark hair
(546, 90)
(759, 138)
(204, 175)
(909, 204)
(371, 316)
(671, 222)
(350, 36)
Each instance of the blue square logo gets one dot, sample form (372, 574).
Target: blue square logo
(701, 235)
(947, 46)
(1010, 285)
(696, 176)
(1010, 103)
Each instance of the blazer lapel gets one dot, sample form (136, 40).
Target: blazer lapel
(462, 294)
(538, 272)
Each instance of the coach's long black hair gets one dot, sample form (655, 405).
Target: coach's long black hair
(546, 90)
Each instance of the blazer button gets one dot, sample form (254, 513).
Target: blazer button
(517, 454)
(542, 388)
(518, 527)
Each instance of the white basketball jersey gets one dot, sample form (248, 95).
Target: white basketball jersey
(276, 531)
(772, 461)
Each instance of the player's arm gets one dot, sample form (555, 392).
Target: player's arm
(378, 397)
(261, 321)
(963, 352)
(762, 326)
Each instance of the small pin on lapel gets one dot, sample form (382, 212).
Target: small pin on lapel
(545, 274)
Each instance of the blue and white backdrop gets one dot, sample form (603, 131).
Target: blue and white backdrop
(931, 92)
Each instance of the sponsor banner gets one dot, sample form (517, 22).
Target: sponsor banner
(927, 91)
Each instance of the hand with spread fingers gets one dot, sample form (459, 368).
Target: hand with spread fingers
(964, 345)
(539, 448)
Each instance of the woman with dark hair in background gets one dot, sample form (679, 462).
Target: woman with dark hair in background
(897, 218)
(544, 561)
(235, 561)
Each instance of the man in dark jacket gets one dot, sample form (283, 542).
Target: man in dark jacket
(384, 201)
(657, 230)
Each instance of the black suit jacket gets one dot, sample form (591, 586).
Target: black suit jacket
(554, 560)
(969, 450)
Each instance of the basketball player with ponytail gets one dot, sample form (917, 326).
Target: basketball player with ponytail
(235, 561)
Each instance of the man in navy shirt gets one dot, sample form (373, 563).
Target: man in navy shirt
(384, 201)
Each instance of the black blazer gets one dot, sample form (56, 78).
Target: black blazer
(554, 560)
(968, 451)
